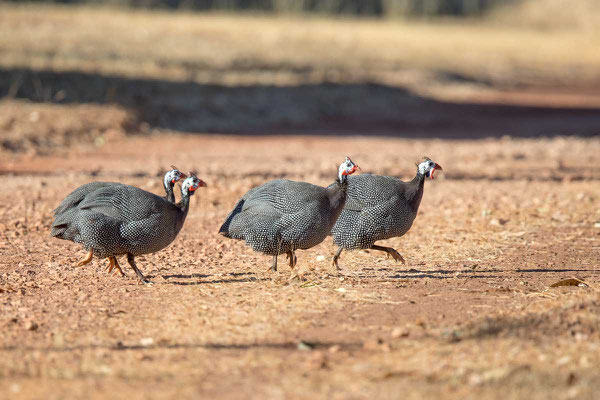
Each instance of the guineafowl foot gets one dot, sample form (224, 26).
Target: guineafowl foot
(131, 261)
(334, 260)
(273, 266)
(392, 252)
(293, 259)
(87, 259)
(114, 264)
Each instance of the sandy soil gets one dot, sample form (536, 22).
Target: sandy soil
(472, 314)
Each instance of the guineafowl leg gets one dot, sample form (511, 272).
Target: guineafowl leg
(87, 259)
(112, 264)
(292, 257)
(334, 260)
(274, 265)
(131, 261)
(395, 255)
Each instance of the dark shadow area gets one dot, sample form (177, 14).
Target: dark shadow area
(187, 276)
(556, 270)
(440, 271)
(569, 321)
(422, 275)
(437, 274)
(356, 8)
(207, 346)
(237, 277)
(319, 109)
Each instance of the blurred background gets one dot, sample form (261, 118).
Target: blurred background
(88, 71)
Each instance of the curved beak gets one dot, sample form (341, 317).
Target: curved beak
(202, 183)
(435, 168)
(353, 170)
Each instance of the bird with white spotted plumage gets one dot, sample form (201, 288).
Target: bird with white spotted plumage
(282, 216)
(379, 207)
(119, 219)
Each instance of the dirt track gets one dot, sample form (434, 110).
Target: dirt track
(471, 314)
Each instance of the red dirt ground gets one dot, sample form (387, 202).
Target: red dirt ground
(471, 315)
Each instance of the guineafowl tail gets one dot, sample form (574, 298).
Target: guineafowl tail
(62, 226)
(224, 230)
(57, 231)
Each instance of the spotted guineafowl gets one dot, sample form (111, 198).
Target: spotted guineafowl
(120, 219)
(281, 216)
(379, 207)
(76, 196)
(64, 213)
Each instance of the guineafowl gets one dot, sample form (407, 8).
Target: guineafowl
(379, 207)
(121, 219)
(76, 196)
(281, 216)
(69, 206)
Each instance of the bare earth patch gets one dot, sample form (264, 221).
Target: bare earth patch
(472, 313)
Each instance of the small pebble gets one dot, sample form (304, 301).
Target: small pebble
(31, 326)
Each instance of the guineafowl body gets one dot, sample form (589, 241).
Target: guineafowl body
(121, 219)
(282, 216)
(379, 207)
(69, 206)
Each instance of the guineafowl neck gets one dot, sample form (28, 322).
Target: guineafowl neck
(184, 204)
(337, 194)
(170, 194)
(414, 191)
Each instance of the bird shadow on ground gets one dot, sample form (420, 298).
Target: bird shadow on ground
(433, 274)
(245, 277)
(429, 275)
(185, 276)
(119, 346)
(556, 270)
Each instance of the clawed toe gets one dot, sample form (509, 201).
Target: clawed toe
(390, 252)
(397, 256)
(113, 264)
(87, 259)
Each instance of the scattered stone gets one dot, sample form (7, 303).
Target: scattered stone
(147, 341)
(335, 348)
(400, 332)
(373, 344)
(31, 326)
(304, 346)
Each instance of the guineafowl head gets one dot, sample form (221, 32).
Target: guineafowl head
(173, 176)
(190, 184)
(428, 167)
(346, 168)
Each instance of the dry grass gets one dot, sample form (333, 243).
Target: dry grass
(580, 15)
(232, 49)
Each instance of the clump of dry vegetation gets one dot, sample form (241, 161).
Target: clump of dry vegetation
(551, 15)
(250, 49)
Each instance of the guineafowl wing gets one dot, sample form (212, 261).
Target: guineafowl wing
(123, 202)
(371, 190)
(284, 196)
(74, 198)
